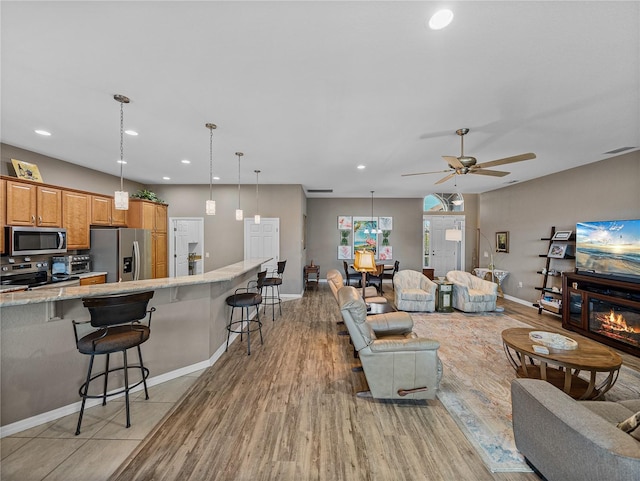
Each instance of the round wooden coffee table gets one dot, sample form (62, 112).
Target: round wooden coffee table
(562, 367)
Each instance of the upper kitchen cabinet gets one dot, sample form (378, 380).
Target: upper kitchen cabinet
(103, 212)
(144, 214)
(3, 212)
(76, 209)
(29, 204)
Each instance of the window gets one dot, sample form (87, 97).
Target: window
(443, 203)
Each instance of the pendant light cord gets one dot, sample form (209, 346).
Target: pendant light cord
(238, 180)
(210, 163)
(121, 145)
(257, 193)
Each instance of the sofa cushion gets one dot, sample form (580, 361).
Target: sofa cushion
(415, 295)
(614, 412)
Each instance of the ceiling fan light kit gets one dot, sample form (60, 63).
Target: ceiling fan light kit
(465, 164)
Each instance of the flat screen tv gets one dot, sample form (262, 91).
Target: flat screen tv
(609, 248)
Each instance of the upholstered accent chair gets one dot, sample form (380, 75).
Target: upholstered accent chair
(472, 294)
(571, 440)
(396, 362)
(336, 282)
(414, 291)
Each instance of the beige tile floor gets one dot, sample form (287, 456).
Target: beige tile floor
(52, 452)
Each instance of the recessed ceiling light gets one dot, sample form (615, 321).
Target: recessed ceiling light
(362, 167)
(131, 132)
(185, 161)
(440, 19)
(216, 178)
(166, 178)
(121, 161)
(42, 132)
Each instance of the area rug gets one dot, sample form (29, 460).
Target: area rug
(475, 387)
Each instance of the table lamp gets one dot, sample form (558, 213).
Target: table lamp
(364, 262)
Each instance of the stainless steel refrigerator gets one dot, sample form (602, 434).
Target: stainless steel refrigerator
(125, 254)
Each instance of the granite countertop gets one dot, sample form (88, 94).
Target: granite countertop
(15, 288)
(226, 273)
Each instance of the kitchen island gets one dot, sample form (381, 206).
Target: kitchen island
(41, 369)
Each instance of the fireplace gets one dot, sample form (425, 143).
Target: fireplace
(606, 310)
(620, 323)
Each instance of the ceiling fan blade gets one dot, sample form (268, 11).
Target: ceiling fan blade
(453, 161)
(444, 179)
(493, 173)
(507, 160)
(424, 173)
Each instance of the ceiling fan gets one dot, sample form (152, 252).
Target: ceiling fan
(467, 165)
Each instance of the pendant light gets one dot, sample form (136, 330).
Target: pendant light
(256, 218)
(210, 204)
(121, 197)
(239, 214)
(373, 230)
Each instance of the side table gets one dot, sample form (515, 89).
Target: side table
(443, 296)
(311, 276)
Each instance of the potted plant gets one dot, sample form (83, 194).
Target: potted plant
(146, 194)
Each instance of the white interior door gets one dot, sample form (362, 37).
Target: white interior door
(443, 255)
(186, 240)
(181, 254)
(262, 240)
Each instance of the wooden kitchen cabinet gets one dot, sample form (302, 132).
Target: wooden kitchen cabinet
(76, 210)
(33, 205)
(144, 214)
(104, 212)
(93, 280)
(3, 212)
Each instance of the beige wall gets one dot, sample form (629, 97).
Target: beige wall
(599, 191)
(224, 236)
(65, 174)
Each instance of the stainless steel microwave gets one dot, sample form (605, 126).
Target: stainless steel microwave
(28, 241)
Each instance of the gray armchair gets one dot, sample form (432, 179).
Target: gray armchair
(336, 282)
(396, 363)
(414, 291)
(472, 294)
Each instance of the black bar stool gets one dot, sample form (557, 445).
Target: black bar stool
(272, 297)
(245, 298)
(117, 327)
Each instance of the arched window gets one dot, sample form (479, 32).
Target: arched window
(443, 203)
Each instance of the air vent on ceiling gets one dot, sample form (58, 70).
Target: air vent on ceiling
(617, 151)
(319, 191)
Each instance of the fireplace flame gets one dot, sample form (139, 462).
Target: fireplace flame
(616, 322)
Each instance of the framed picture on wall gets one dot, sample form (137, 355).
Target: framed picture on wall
(386, 223)
(502, 242)
(344, 253)
(562, 235)
(345, 222)
(362, 237)
(386, 253)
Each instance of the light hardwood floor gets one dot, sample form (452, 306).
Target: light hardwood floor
(287, 412)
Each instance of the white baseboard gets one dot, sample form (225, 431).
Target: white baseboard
(520, 301)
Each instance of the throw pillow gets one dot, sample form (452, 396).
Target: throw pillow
(628, 425)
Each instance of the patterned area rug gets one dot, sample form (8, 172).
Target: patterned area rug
(475, 386)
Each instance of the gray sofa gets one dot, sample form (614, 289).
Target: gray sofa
(569, 440)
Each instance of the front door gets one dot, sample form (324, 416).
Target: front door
(262, 240)
(440, 254)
